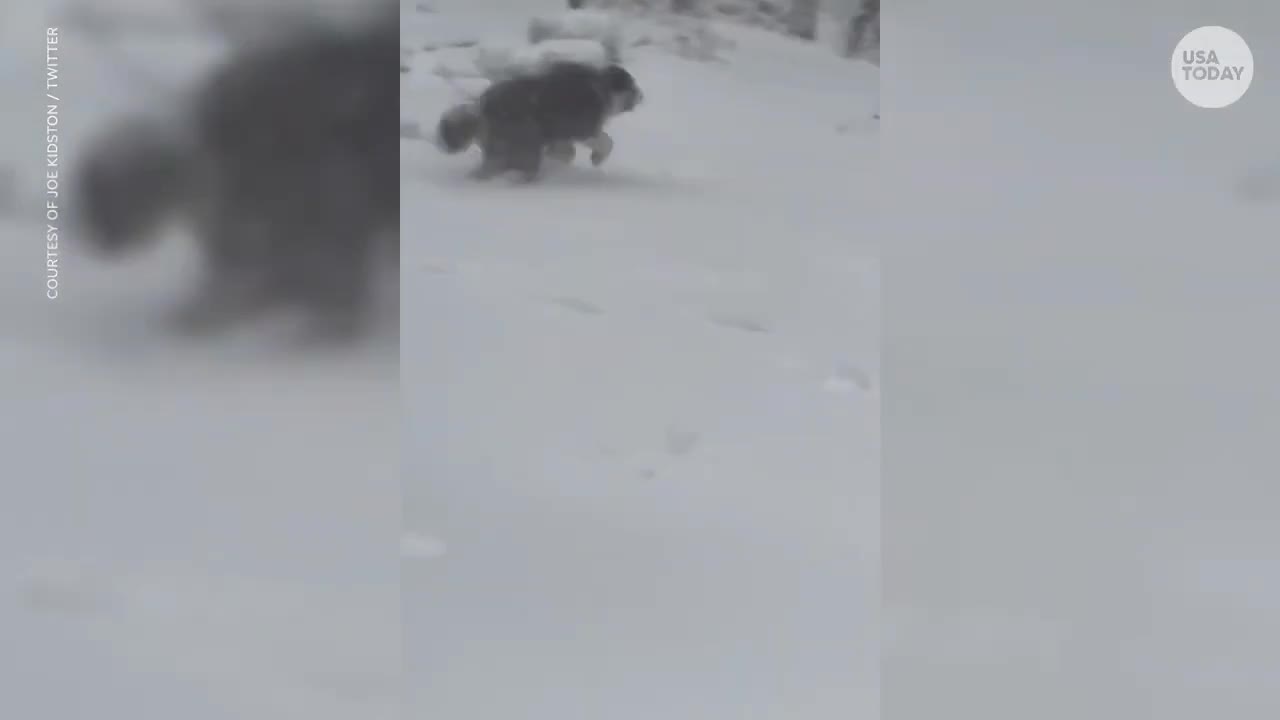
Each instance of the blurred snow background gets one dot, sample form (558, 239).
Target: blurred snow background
(201, 530)
(1080, 517)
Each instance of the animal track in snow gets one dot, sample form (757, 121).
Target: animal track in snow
(577, 305)
(414, 546)
(847, 378)
(742, 323)
(64, 589)
(681, 442)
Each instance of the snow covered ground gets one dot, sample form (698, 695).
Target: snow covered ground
(188, 530)
(1083, 523)
(642, 405)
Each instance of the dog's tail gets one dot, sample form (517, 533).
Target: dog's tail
(458, 128)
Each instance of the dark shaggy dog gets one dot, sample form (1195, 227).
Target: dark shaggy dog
(519, 120)
(864, 30)
(287, 169)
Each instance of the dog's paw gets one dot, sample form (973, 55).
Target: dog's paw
(601, 147)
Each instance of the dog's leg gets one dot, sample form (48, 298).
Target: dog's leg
(225, 295)
(221, 300)
(489, 166)
(601, 147)
(563, 151)
(327, 243)
(528, 162)
(234, 284)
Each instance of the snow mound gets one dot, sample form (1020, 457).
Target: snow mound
(688, 38)
(602, 27)
(500, 62)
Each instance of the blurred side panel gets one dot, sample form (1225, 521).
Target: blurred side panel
(201, 474)
(1081, 401)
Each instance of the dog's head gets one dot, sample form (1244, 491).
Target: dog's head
(458, 128)
(130, 181)
(624, 92)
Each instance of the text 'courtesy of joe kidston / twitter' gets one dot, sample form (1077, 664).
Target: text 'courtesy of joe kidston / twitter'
(51, 157)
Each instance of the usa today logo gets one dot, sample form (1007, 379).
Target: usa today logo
(1212, 67)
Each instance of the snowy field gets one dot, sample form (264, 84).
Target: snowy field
(199, 530)
(641, 452)
(1081, 269)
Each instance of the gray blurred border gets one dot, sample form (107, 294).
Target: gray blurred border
(1081, 402)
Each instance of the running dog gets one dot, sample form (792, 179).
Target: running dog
(518, 121)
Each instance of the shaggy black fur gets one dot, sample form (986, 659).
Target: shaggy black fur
(517, 121)
(288, 171)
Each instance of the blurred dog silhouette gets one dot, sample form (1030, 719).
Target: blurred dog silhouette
(285, 167)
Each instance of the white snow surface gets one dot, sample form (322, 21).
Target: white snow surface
(503, 60)
(604, 27)
(642, 400)
(1083, 424)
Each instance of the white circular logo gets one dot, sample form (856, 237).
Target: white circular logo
(1212, 67)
